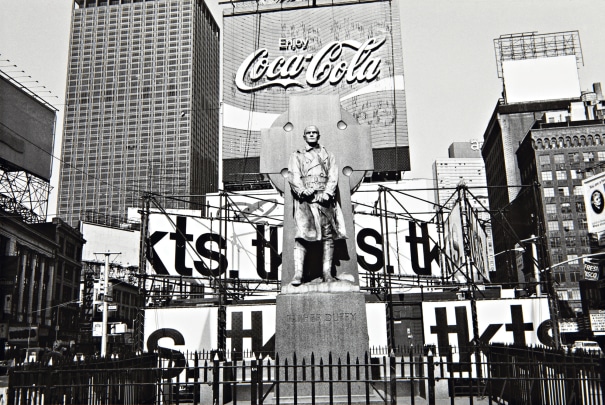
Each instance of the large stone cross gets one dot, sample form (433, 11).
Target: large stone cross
(346, 139)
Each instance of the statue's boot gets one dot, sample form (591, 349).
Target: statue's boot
(299, 260)
(328, 255)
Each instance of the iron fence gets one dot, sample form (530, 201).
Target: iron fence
(495, 374)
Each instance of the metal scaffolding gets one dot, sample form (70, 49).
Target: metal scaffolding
(531, 45)
(23, 194)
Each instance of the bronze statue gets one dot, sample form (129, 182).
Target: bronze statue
(313, 177)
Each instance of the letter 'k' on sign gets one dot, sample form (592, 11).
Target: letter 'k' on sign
(339, 133)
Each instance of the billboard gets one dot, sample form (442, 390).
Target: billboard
(549, 78)
(249, 328)
(594, 199)
(351, 50)
(453, 247)
(101, 239)
(27, 128)
(521, 322)
(188, 245)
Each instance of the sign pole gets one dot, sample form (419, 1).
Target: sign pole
(106, 298)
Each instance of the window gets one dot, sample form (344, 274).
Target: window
(573, 259)
(574, 157)
(544, 160)
(547, 176)
(561, 175)
(549, 192)
(578, 190)
(563, 191)
(559, 277)
(568, 225)
(559, 158)
(580, 206)
(588, 156)
(553, 225)
(551, 208)
(565, 208)
(555, 241)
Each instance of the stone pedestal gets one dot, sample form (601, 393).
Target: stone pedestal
(321, 323)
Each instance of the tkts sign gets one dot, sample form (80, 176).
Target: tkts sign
(188, 245)
(260, 71)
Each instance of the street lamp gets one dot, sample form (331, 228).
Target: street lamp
(518, 249)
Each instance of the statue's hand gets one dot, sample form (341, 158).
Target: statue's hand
(307, 192)
(325, 197)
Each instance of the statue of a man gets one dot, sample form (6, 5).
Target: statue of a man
(313, 177)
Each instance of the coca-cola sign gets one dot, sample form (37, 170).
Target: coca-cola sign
(258, 71)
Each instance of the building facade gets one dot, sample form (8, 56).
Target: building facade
(557, 156)
(462, 177)
(142, 107)
(40, 283)
(464, 166)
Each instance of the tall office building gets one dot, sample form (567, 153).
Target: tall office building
(464, 166)
(558, 153)
(539, 75)
(142, 107)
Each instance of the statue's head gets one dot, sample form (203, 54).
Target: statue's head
(311, 134)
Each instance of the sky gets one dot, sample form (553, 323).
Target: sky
(451, 78)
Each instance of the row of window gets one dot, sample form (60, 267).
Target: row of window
(566, 224)
(573, 157)
(565, 208)
(563, 191)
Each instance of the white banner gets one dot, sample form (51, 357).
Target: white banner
(594, 199)
(513, 321)
(192, 246)
(453, 249)
(250, 328)
(479, 246)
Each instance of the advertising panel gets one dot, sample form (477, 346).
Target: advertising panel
(597, 321)
(187, 245)
(522, 322)
(478, 245)
(594, 199)
(352, 50)
(546, 78)
(105, 239)
(453, 249)
(249, 329)
(27, 130)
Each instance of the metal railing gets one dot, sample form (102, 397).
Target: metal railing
(496, 374)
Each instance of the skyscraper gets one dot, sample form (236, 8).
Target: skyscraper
(142, 106)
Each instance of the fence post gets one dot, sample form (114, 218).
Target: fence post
(393, 378)
(215, 380)
(431, 376)
(259, 379)
(253, 380)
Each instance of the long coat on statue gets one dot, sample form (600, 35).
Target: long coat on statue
(315, 168)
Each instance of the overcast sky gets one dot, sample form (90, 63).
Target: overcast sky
(451, 79)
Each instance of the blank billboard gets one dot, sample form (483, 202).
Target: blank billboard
(540, 79)
(26, 131)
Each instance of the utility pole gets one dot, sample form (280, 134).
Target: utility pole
(534, 255)
(106, 299)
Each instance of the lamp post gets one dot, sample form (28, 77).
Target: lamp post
(105, 286)
(552, 299)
